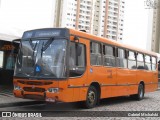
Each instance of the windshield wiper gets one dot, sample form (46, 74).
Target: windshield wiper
(44, 47)
(34, 49)
(22, 74)
(31, 44)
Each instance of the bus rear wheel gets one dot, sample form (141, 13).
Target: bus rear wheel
(91, 98)
(140, 94)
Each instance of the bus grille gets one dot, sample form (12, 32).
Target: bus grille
(29, 89)
(34, 83)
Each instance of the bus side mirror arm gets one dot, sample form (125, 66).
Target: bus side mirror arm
(76, 39)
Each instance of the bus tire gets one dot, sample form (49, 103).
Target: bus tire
(91, 98)
(140, 94)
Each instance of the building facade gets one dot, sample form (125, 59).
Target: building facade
(153, 42)
(109, 19)
(99, 17)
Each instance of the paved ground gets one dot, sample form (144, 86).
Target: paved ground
(151, 102)
(6, 90)
(6, 95)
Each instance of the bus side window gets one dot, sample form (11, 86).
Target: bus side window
(95, 53)
(132, 60)
(121, 58)
(109, 55)
(154, 63)
(77, 62)
(1, 59)
(140, 61)
(147, 62)
(10, 62)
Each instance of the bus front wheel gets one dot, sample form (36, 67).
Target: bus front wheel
(91, 98)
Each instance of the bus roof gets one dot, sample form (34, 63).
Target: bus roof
(64, 32)
(110, 42)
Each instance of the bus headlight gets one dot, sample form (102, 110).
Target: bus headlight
(17, 87)
(53, 90)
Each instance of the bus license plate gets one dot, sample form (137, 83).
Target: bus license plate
(50, 100)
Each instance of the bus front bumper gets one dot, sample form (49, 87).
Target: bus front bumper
(45, 96)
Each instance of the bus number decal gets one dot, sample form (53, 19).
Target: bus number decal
(110, 74)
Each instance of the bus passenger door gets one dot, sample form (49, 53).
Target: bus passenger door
(77, 70)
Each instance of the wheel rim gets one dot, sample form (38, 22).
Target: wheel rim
(141, 92)
(91, 97)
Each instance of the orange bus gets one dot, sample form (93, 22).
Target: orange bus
(66, 65)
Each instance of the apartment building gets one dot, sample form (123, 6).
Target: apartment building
(75, 14)
(99, 17)
(109, 19)
(155, 38)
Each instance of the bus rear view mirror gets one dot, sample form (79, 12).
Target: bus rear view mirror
(159, 65)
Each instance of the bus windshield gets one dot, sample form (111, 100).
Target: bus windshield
(41, 58)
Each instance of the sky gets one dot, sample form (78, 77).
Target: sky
(19, 15)
(135, 23)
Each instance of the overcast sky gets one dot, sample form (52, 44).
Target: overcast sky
(19, 15)
(136, 23)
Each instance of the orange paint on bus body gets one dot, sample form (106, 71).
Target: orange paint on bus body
(113, 81)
